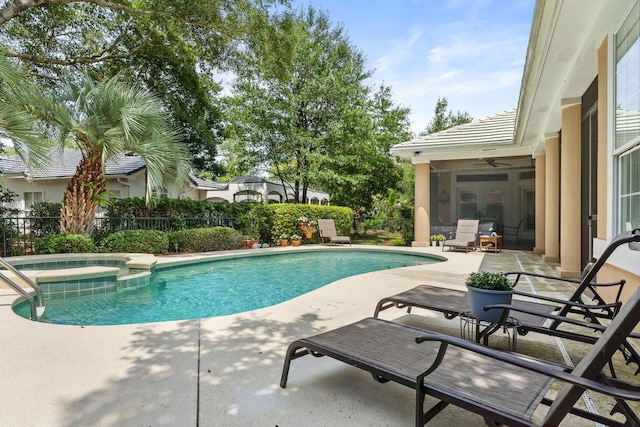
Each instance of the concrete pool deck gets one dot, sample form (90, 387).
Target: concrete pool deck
(225, 371)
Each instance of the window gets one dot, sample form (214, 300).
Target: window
(31, 198)
(627, 120)
(159, 192)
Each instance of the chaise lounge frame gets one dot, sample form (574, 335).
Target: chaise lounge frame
(466, 235)
(533, 316)
(504, 388)
(327, 231)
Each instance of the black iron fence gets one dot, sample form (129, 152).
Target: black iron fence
(20, 232)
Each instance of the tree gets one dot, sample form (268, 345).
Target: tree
(16, 124)
(443, 120)
(302, 111)
(174, 49)
(105, 119)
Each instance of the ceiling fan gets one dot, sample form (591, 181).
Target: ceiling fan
(490, 161)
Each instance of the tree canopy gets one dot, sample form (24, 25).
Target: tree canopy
(174, 49)
(444, 120)
(301, 110)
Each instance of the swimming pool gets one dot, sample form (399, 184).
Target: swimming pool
(221, 287)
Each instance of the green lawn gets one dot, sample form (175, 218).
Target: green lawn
(380, 238)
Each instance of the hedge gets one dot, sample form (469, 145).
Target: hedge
(64, 244)
(137, 241)
(206, 239)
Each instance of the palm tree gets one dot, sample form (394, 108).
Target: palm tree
(105, 119)
(16, 124)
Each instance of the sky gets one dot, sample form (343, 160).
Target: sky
(471, 52)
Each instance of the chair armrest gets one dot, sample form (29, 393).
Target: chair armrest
(562, 279)
(613, 305)
(542, 276)
(550, 369)
(561, 319)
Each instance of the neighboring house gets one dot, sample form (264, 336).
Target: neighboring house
(126, 177)
(578, 121)
(259, 190)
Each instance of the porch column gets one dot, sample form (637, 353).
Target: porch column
(552, 199)
(540, 204)
(603, 114)
(570, 152)
(422, 224)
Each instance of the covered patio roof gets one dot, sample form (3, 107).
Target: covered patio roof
(486, 140)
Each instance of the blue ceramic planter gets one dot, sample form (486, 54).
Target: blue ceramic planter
(479, 298)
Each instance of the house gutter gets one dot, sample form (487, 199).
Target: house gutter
(523, 113)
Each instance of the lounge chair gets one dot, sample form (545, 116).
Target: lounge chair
(466, 235)
(327, 231)
(512, 230)
(533, 315)
(504, 388)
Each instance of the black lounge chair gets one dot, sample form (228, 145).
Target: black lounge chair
(532, 315)
(504, 388)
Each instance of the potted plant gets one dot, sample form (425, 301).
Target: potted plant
(310, 228)
(284, 239)
(295, 240)
(440, 238)
(434, 240)
(302, 222)
(486, 288)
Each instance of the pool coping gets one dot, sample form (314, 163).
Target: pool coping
(98, 279)
(216, 371)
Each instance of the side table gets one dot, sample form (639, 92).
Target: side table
(491, 243)
(472, 329)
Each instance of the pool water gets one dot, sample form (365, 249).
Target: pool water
(222, 287)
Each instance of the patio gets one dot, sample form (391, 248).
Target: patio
(226, 370)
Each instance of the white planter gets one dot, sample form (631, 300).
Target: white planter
(434, 243)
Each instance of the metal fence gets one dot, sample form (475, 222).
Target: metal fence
(19, 233)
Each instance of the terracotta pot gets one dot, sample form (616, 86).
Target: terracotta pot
(284, 242)
(308, 234)
(295, 243)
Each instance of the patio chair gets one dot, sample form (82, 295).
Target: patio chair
(512, 230)
(466, 235)
(534, 313)
(504, 388)
(327, 230)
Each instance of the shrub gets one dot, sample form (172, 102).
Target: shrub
(64, 244)
(283, 218)
(140, 241)
(206, 239)
(47, 218)
(489, 281)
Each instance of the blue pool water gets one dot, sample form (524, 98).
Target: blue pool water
(222, 287)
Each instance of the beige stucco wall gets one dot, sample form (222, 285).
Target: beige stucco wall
(603, 146)
(540, 204)
(610, 273)
(570, 196)
(552, 199)
(422, 222)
